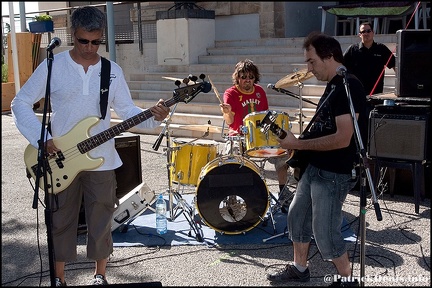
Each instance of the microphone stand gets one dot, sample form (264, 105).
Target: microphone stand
(42, 164)
(289, 93)
(165, 131)
(181, 203)
(364, 165)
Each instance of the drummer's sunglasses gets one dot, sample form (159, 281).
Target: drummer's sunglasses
(250, 77)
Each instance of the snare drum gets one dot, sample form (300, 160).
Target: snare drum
(263, 144)
(231, 196)
(189, 158)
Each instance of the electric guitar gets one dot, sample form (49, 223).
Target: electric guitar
(295, 157)
(73, 157)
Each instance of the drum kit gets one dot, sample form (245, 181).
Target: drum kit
(231, 194)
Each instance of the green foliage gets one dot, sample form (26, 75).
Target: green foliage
(43, 18)
(4, 73)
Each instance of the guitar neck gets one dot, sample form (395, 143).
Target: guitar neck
(116, 130)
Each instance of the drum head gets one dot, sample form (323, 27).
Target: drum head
(232, 198)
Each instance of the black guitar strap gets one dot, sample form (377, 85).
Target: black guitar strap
(104, 86)
(316, 112)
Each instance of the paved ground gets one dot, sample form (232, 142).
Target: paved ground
(396, 250)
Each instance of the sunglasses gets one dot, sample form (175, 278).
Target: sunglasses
(366, 31)
(85, 41)
(245, 77)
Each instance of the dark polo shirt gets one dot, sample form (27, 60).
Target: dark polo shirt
(367, 64)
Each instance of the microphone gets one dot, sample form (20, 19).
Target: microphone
(54, 43)
(341, 71)
(158, 141)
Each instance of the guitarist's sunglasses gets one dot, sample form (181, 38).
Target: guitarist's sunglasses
(86, 41)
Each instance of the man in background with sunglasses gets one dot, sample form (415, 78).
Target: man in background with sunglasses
(75, 95)
(367, 60)
(244, 97)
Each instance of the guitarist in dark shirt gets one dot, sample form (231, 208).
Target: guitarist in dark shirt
(330, 146)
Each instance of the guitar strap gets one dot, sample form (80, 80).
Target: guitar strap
(104, 86)
(317, 112)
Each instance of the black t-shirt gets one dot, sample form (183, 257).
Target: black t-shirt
(367, 64)
(339, 160)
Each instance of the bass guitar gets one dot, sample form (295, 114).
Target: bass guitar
(74, 145)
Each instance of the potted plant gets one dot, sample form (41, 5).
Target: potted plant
(42, 23)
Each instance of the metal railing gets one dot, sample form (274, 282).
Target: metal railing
(145, 31)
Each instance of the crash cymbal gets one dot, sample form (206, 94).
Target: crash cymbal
(202, 128)
(294, 78)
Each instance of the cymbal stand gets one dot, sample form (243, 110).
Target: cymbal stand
(300, 114)
(182, 205)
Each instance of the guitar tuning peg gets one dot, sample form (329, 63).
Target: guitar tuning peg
(186, 81)
(177, 83)
(202, 76)
(193, 78)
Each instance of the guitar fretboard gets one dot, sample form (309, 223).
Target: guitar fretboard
(116, 130)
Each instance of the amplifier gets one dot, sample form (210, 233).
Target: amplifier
(398, 136)
(413, 63)
(129, 175)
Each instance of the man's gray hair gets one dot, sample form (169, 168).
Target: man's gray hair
(88, 18)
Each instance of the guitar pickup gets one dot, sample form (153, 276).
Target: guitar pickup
(60, 159)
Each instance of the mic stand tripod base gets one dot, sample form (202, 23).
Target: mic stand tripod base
(275, 236)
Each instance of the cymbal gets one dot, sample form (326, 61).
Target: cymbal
(294, 78)
(202, 128)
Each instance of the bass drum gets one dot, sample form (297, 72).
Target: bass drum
(231, 196)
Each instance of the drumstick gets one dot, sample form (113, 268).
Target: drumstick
(215, 90)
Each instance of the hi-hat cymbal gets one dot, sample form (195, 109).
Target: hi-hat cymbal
(202, 128)
(294, 78)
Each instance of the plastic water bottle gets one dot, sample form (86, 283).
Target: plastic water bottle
(161, 220)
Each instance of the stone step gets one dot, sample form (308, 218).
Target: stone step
(256, 58)
(298, 41)
(182, 71)
(275, 57)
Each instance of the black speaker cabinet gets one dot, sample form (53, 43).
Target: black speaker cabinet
(398, 136)
(129, 175)
(413, 63)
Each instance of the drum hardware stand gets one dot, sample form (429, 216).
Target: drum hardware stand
(276, 207)
(233, 138)
(187, 211)
(271, 211)
(276, 236)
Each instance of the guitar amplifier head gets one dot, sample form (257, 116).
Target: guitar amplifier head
(398, 136)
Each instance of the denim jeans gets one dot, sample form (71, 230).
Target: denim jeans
(316, 210)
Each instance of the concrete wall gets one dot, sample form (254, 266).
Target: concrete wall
(181, 41)
(246, 27)
(302, 18)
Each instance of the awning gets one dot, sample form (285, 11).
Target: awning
(371, 9)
